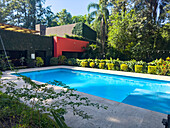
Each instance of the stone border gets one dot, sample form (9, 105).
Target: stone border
(121, 73)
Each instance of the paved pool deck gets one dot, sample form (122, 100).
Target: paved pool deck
(118, 115)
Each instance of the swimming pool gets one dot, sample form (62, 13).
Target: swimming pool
(146, 93)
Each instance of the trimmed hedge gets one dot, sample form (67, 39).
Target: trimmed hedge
(92, 64)
(101, 65)
(54, 61)
(124, 67)
(138, 68)
(110, 66)
(152, 69)
(84, 64)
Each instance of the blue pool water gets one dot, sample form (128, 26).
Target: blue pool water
(145, 93)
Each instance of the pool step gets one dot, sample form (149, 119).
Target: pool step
(155, 101)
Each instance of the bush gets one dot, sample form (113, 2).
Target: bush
(62, 59)
(84, 64)
(164, 68)
(19, 115)
(168, 59)
(92, 64)
(101, 65)
(4, 64)
(54, 61)
(123, 67)
(71, 61)
(97, 61)
(138, 68)
(152, 69)
(116, 64)
(110, 66)
(39, 62)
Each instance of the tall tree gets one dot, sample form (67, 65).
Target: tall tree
(4, 11)
(24, 13)
(64, 17)
(101, 15)
(50, 18)
(154, 10)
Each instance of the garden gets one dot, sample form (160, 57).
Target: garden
(158, 66)
(131, 37)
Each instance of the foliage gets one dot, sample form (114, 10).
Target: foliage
(101, 15)
(138, 68)
(124, 67)
(50, 18)
(163, 67)
(101, 65)
(71, 61)
(62, 59)
(79, 18)
(64, 17)
(110, 66)
(84, 64)
(91, 51)
(23, 13)
(76, 37)
(16, 114)
(138, 30)
(39, 62)
(4, 63)
(81, 29)
(168, 59)
(54, 61)
(152, 69)
(92, 64)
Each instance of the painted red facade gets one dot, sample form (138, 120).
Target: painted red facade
(67, 45)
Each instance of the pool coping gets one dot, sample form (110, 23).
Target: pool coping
(121, 73)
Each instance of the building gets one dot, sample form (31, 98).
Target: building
(20, 42)
(79, 29)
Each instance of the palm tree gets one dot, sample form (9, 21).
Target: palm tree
(101, 15)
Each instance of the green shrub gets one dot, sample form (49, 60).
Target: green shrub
(138, 68)
(110, 66)
(62, 59)
(4, 63)
(84, 64)
(92, 64)
(116, 64)
(71, 61)
(123, 67)
(152, 69)
(39, 62)
(97, 61)
(164, 68)
(101, 65)
(54, 61)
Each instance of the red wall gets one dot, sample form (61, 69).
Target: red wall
(68, 45)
